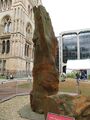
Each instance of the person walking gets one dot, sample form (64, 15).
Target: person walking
(77, 78)
(62, 77)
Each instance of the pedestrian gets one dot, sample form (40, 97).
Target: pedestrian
(29, 78)
(11, 76)
(83, 77)
(77, 78)
(63, 77)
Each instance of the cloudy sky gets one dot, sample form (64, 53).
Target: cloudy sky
(68, 14)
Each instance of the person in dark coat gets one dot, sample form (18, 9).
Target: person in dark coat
(77, 77)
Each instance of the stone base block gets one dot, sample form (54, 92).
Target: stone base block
(71, 105)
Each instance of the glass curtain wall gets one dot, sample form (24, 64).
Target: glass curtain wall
(84, 40)
(69, 47)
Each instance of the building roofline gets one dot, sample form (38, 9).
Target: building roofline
(74, 32)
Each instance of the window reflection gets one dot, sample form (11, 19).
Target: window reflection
(69, 47)
(84, 39)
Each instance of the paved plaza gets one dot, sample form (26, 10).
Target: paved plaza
(10, 89)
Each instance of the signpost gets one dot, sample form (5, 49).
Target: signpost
(51, 116)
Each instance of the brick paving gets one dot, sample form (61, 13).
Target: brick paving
(8, 89)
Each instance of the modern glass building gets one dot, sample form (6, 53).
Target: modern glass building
(84, 41)
(69, 47)
(73, 45)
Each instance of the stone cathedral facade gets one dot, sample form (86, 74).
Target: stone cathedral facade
(16, 32)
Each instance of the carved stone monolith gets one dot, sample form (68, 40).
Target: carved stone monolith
(45, 74)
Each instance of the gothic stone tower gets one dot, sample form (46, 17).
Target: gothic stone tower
(16, 32)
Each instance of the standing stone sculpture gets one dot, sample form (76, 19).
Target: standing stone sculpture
(45, 74)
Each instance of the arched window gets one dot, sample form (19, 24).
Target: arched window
(9, 27)
(25, 49)
(7, 46)
(9, 4)
(3, 47)
(37, 1)
(28, 9)
(28, 31)
(28, 50)
(0, 46)
(5, 4)
(1, 2)
(5, 27)
(6, 23)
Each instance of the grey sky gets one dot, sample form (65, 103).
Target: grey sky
(68, 14)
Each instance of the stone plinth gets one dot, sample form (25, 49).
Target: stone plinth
(68, 105)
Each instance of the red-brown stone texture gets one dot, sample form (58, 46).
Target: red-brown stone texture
(45, 74)
(69, 105)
